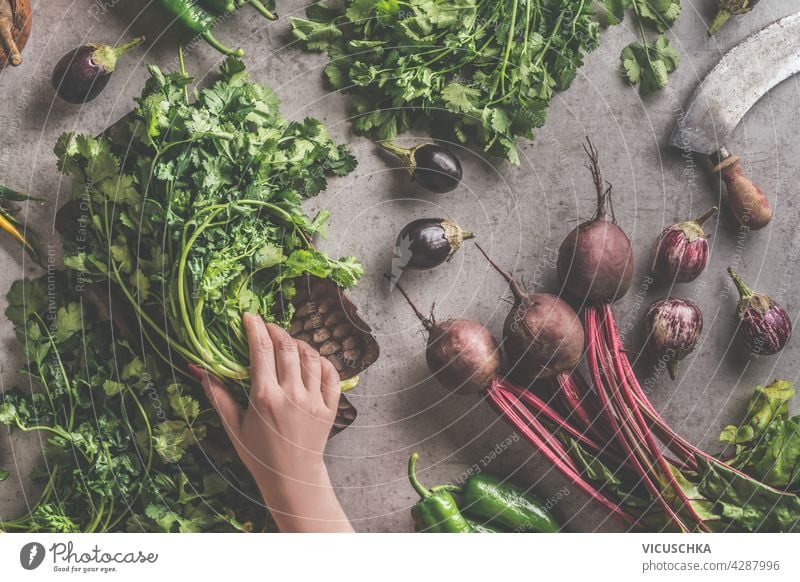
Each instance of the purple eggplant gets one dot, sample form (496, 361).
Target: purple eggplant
(681, 250)
(433, 166)
(428, 242)
(83, 73)
(764, 325)
(673, 327)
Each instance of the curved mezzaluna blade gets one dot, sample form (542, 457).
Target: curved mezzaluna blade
(742, 77)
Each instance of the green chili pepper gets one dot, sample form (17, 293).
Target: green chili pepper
(220, 6)
(197, 21)
(505, 504)
(258, 5)
(479, 527)
(436, 511)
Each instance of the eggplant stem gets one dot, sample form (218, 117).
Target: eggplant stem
(719, 21)
(396, 149)
(741, 286)
(516, 289)
(123, 48)
(705, 216)
(427, 322)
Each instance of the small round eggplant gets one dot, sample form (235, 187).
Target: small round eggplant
(728, 8)
(435, 167)
(680, 253)
(764, 325)
(672, 327)
(427, 243)
(83, 73)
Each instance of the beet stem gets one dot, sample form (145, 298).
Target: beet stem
(516, 288)
(602, 187)
(506, 409)
(426, 322)
(622, 431)
(616, 357)
(541, 407)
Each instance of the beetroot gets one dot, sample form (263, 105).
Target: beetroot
(595, 261)
(462, 354)
(542, 335)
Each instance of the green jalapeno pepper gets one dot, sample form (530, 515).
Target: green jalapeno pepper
(436, 511)
(196, 21)
(505, 504)
(220, 6)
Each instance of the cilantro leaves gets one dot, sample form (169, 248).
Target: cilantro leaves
(474, 71)
(128, 448)
(193, 210)
(647, 63)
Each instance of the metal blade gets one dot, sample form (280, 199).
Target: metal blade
(741, 78)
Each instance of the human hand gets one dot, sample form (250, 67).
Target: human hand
(281, 435)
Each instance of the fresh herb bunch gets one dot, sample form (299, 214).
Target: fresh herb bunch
(650, 62)
(193, 210)
(479, 71)
(128, 448)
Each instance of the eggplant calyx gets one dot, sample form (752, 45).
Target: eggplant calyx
(455, 235)
(719, 21)
(693, 229)
(408, 155)
(106, 56)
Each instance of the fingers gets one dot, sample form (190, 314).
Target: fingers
(228, 409)
(330, 385)
(310, 367)
(287, 357)
(262, 353)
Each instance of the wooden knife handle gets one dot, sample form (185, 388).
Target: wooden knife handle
(748, 202)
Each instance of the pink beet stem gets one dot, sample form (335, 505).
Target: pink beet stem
(622, 431)
(540, 407)
(506, 409)
(576, 403)
(617, 356)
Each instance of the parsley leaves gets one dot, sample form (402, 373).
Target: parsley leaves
(474, 71)
(193, 211)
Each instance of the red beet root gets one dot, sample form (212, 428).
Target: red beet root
(542, 334)
(595, 261)
(461, 353)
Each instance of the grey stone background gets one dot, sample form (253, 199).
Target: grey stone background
(521, 214)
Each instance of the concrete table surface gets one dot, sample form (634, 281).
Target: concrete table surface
(521, 214)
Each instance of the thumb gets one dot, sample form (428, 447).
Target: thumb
(228, 409)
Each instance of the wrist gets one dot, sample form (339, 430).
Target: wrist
(305, 505)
